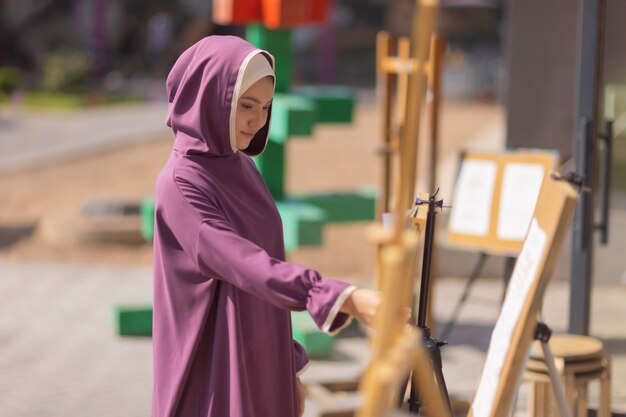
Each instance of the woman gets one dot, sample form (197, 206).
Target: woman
(222, 289)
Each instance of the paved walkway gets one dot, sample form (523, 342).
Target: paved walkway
(29, 138)
(59, 355)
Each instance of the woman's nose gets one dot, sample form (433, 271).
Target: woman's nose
(258, 119)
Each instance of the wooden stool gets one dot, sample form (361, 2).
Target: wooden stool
(579, 360)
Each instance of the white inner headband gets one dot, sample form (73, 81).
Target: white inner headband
(258, 67)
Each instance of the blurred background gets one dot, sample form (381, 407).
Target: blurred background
(82, 139)
(109, 47)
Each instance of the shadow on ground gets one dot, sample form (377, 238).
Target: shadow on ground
(615, 346)
(475, 335)
(10, 235)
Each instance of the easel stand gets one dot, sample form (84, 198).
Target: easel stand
(543, 334)
(489, 217)
(431, 345)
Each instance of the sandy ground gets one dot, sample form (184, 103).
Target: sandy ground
(336, 158)
(59, 189)
(62, 187)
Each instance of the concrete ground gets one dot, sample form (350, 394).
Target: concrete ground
(59, 355)
(463, 358)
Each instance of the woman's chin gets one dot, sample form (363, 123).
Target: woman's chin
(244, 143)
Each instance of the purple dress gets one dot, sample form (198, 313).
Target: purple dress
(222, 289)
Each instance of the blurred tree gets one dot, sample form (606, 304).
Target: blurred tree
(14, 30)
(9, 80)
(66, 70)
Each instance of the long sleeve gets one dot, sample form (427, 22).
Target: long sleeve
(220, 252)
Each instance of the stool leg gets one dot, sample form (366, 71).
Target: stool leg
(551, 407)
(537, 401)
(532, 399)
(604, 408)
(581, 403)
(570, 392)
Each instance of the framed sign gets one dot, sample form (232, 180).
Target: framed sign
(494, 198)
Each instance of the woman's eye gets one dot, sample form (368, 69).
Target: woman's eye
(246, 106)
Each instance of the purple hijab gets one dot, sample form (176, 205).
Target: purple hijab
(222, 289)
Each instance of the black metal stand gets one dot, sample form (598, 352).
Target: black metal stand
(431, 345)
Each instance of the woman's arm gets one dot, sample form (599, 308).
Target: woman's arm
(219, 252)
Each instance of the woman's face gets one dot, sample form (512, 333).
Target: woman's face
(252, 110)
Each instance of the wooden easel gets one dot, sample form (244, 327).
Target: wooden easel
(511, 338)
(394, 67)
(397, 346)
(483, 218)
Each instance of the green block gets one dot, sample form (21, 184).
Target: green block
(291, 116)
(317, 344)
(271, 164)
(335, 104)
(278, 43)
(343, 207)
(302, 224)
(132, 320)
(146, 213)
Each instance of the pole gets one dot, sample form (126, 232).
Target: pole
(589, 76)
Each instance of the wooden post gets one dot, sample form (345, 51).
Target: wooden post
(395, 71)
(397, 346)
(385, 86)
(437, 49)
(394, 67)
(423, 26)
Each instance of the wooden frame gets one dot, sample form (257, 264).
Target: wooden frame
(394, 66)
(467, 217)
(513, 334)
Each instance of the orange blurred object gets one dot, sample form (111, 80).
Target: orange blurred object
(290, 13)
(273, 13)
(320, 11)
(234, 12)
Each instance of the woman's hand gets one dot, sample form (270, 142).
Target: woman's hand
(362, 304)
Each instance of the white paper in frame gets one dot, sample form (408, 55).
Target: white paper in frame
(472, 198)
(524, 274)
